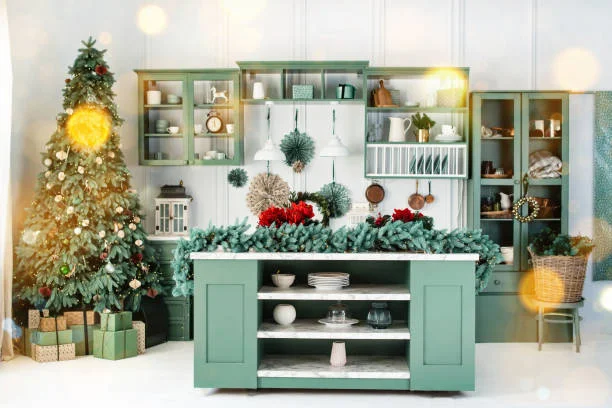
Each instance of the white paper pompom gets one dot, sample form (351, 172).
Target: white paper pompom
(102, 234)
(49, 186)
(77, 231)
(132, 226)
(119, 209)
(98, 160)
(136, 219)
(85, 223)
(58, 198)
(61, 155)
(47, 173)
(70, 210)
(138, 242)
(61, 176)
(48, 162)
(69, 111)
(121, 234)
(135, 284)
(81, 169)
(111, 155)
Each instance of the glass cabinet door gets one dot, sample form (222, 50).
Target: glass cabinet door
(496, 170)
(163, 135)
(544, 160)
(215, 114)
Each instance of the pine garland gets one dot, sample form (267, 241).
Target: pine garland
(393, 236)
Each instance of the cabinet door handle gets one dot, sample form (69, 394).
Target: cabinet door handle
(497, 282)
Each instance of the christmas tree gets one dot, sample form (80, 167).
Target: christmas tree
(83, 241)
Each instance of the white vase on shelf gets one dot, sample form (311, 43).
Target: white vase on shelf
(284, 314)
(338, 354)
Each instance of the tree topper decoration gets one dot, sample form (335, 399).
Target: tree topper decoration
(297, 147)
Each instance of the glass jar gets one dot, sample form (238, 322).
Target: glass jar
(379, 316)
(338, 313)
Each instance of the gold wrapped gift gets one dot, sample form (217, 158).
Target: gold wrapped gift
(45, 354)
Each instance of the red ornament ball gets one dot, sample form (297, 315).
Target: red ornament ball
(101, 69)
(67, 80)
(103, 255)
(152, 293)
(137, 257)
(44, 291)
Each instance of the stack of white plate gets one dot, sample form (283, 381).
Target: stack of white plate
(328, 280)
(449, 138)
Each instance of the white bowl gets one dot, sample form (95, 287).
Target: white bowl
(508, 254)
(283, 280)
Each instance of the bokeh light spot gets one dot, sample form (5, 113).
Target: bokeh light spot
(605, 299)
(105, 38)
(89, 127)
(152, 19)
(576, 69)
(543, 393)
(244, 10)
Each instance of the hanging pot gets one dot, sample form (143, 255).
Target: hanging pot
(375, 193)
(416, 201)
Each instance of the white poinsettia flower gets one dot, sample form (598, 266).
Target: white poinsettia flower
(69, 111)
(102, 234)
(61, 176)
(49, 186)
(136, 219)
(98, 160)
(77, 231)
(81, 169)
(47, 173)
(70, 210)
(121, 234)
(111, 155)
(29, 236)
(48, 162)
(119, 209)
(58, 198)
(138, 242)
(132, 226)
(85, 223)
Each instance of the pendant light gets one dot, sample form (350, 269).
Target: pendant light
(269, 152)
(335, 147)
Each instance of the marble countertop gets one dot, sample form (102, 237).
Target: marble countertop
(312, 256)
(152, 237)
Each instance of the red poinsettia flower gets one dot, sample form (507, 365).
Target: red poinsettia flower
(44, 291)
(379, 221)
(101, 69)
(272, 215)
(404, 215)
(299, 213)
(137, 257)
(103, 255)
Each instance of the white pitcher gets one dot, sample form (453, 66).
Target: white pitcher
(505, 201)
(398, 129)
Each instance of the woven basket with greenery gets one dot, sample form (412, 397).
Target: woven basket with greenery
(559, 265)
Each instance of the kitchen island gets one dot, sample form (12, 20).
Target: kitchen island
(430, 345)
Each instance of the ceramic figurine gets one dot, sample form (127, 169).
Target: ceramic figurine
(214, 95)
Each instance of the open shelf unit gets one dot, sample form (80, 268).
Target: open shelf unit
(519, 117)
(312, 329)
(424, 86)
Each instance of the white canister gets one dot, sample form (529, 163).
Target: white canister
(338, 354)
(154, 97)
(284, 314)
(258, 90)
(508, 254)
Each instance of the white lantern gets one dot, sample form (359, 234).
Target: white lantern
(172, 211)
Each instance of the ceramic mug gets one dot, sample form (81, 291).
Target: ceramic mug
(154, 97)
(448, 130)
(230, 128)
(197, 129)
(173, 130)
(159, 156)
(211, 153)
(220, 156)
(258, 90)
(171, 98)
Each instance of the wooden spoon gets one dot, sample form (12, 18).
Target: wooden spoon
(429, 198)
(416, 201)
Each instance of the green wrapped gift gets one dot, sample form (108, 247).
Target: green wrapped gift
(115, 345)
(116, 321)
(78, 337)
(51, 338)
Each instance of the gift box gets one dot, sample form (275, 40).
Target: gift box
(27, 338)
(116, 321)
(78, 338)
(140, 328)
(76, 317)
(41, 338)
(45, 354)
(34, 317)
(48, 324)
(115, 345)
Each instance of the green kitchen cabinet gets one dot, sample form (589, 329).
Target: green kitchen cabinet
(180, 308)
(225, 295)
(443, 322)
(196, 90)
(507, 127)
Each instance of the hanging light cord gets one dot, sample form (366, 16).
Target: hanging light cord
(269, 138)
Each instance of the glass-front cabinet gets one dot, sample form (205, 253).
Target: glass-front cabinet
(519, 147)
(189, 117)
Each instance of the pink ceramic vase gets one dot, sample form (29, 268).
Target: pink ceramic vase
(338, 354)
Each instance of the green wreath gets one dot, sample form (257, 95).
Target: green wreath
(316, 198)
(532, 203)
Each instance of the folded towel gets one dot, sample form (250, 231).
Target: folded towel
(543, 164)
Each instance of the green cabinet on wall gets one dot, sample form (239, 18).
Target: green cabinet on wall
(196, 89)
(507, 128)
(180, 308)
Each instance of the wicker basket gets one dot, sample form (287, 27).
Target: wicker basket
(559, 279)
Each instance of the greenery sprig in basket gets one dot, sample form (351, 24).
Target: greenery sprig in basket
(559, 264)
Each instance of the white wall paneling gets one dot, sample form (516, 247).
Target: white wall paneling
(507, 45)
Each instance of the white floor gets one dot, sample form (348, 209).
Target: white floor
(507, 375)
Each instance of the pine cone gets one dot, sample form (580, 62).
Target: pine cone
(298, 166)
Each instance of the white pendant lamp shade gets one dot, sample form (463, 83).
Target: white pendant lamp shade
(269, 152)
(335, 147)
